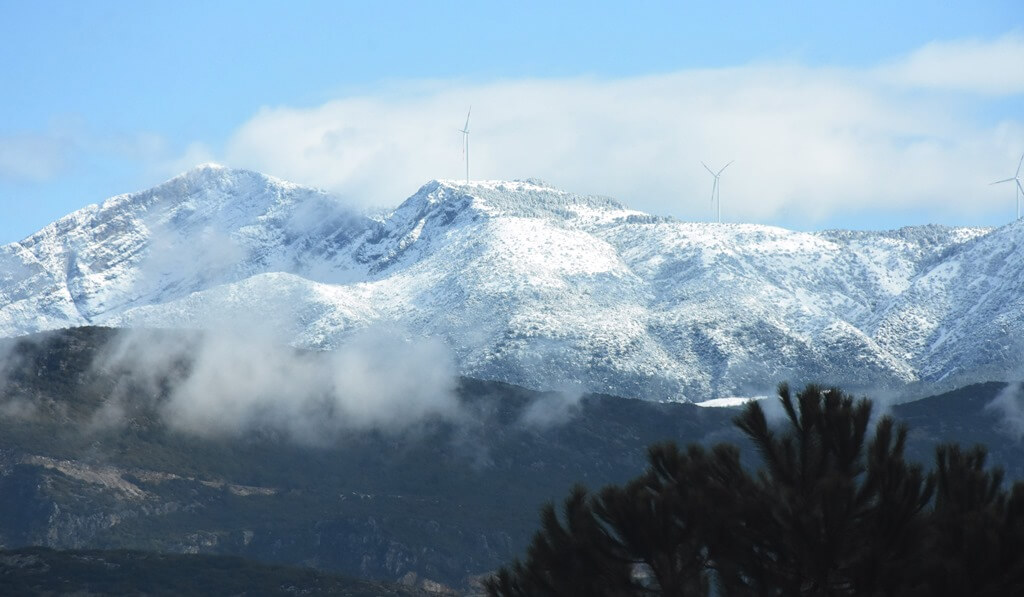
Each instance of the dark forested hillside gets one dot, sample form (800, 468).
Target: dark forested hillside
(446, 500)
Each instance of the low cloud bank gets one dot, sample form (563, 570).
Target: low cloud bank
(552, 408)
(229, 385)
(1009, 406)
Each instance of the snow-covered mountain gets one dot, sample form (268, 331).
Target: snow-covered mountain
(536, 286)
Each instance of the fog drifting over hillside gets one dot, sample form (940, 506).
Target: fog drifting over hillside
(228, 384)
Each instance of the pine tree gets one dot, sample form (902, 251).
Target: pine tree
(977, 528)
(656, 520)
(574, 558)
(831, 512)
(838, 516)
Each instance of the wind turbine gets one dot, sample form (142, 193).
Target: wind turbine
(1016, 179)
(716, 191)
(465, 141)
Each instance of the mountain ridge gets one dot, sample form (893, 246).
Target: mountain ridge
(536, 286)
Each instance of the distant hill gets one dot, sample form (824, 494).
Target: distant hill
(444, 501)
(536, 286)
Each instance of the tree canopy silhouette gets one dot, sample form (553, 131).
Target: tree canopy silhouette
(833, 510)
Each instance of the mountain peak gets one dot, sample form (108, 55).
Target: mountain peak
(211, 173)
(530, 198)
(209, 166)
(534, 184)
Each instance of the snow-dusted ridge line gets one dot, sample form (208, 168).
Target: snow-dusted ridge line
(536, 285)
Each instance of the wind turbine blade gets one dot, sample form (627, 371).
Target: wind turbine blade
(465, 129)
(1001, 181)
(724, 167)
(708, 169)
(1020, 188)
(714, 187)
(1018, 165)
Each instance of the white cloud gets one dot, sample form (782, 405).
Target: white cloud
(229, 384)
(1008, 406)
(808, 143)
(552, 408)
(973, 66)
(40, 156)
(195, 153)
(33, 157)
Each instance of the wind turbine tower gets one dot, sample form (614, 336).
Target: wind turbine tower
(716, 190)
(465, 141)
(1019, 190)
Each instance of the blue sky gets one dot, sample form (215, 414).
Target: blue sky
(862, 115)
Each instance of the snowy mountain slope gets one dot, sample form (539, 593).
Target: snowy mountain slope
(536, 286)
(203, 228)
(967, 312)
